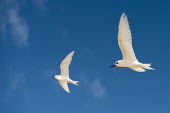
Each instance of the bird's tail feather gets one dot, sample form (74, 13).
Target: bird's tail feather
(75, 82)
(147, 66)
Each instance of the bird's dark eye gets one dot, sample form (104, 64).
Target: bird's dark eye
(116, 62)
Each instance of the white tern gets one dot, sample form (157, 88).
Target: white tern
(64, 75)
(125, 43)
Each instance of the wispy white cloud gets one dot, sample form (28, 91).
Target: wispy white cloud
(97, 89)
(16, 85)
(94, 87)
(19, 27)
(13, 26)
(16, 79)
(14, 82)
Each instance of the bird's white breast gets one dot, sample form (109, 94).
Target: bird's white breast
(65, 79)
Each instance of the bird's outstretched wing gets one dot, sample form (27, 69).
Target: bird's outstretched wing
(64, 66)
(125, 40)
(64, 86)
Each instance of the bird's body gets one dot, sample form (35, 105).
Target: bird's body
(125, 43)
(64, 78)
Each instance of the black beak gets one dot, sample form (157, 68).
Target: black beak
(113, 66)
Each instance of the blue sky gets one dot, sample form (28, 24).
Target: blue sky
(36, 35)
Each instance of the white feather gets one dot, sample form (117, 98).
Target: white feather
(64, 66)
(125, 40)
(64, 86)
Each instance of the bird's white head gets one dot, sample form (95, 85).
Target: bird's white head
(57, 77)
(118, 63)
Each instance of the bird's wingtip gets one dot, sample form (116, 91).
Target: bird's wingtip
(72, 52)
(123, 14)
